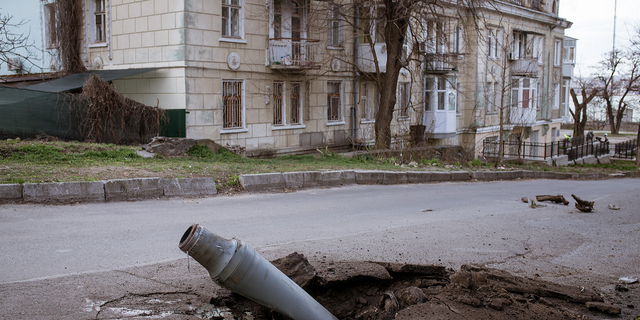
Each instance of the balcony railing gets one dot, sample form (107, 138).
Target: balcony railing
(524, 66)
(438, 62)
(522, 116)
(290, 53)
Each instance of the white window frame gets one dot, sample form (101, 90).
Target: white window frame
(284, 103)
(494, 43)
(538, 48)
(566, 85)
(336, 118)
(518, 92)
(491, 96)
(228, 5)
(519, 50)
(557, 52)
(99, 36)
(556, 96)
(404, 100)
(238, 125)
(334, 26)
(368, 101)
(433, 97)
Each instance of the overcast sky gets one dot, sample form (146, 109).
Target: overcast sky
(593, 26)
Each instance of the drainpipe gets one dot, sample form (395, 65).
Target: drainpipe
(236, 266)
(357, 78)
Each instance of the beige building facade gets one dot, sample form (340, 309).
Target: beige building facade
(277, 76)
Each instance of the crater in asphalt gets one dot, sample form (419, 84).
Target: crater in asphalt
(380, 290)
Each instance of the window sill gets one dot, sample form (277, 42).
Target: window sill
(334, 47)
(288, 127)
(237, 130)
(233, 40)
(365, 121)
(98, 45)
(404, 118)
(336, 123)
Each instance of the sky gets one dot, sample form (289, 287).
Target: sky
(593, 27)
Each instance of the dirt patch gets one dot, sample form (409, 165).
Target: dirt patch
(381, 291)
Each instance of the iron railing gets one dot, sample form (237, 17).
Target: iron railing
(626, 150)
(575, 148)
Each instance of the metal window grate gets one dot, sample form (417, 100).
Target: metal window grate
(232, 104)
(333, 101)
(277, 103)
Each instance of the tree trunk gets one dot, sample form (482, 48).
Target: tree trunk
(394, 34)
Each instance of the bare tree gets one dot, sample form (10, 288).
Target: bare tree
(13, 44)
(618, 76)
(588, 93)
(400, 25)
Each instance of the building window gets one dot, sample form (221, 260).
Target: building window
(404, 99)
(231, 18)
(368, 100)
(50, 25)
(335, 27)
(99, 21)
(556, 96)
(371, 24)
(569, 52)
(334, 103)
(232, 105)
(492, 93)
(278, 103)
(538, 47)
(440, 94)
(565, 97)
(519, 49)
(296, 103)
(557, 52)
(494, 40)
(523, 93)
(287, 111)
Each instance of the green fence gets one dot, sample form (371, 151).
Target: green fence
(27, 113)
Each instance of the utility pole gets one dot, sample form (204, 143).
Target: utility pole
(615, 14)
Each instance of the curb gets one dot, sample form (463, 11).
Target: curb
(147, 188)
(270, 182)
(103, 191)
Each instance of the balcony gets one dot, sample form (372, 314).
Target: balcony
(524, 67)
(522, 116)
(365, 59)
(438, 63)
(294, 54)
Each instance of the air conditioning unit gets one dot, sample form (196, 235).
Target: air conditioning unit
(14, 64)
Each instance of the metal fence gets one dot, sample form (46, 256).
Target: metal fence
(575, 148)
(626, 150)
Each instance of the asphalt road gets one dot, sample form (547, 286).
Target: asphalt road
(446, 223)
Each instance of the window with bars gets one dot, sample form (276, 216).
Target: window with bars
(232, 106)
(278, 103)
(231, 18)
(333, 101)
(287, 112)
